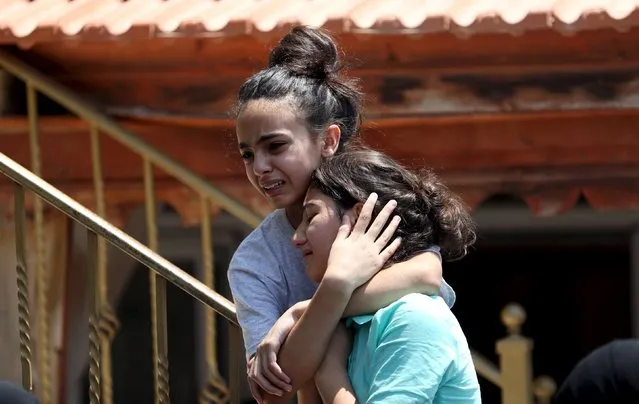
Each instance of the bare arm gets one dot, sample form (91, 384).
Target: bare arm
(304, 349)
(420, 274)
(332, 379)
(335, 387)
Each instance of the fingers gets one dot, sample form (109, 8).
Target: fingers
(258, 375)
(276, 385)
(266, 385)
(255, 391)
(280, 384)
(390, 250)
(388, 232)
(381, 219)
(268, 374)
(282, 380)
(366, 213)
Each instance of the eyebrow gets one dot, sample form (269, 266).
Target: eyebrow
(262, 139)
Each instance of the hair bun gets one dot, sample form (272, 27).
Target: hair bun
(306, 51)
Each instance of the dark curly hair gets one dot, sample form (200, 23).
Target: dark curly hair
(305, 67)
(431, 214)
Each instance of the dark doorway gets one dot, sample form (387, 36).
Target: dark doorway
(574, 287)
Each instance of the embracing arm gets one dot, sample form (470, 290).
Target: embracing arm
(320, 315)
(334, 386)
(331, 379)
(304, 349)
(420, 274)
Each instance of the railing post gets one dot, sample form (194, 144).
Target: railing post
(93, 289)
(215, 389)
(109, 323)
(515, 358)
(42, 286)
(157, 286)
(236, 370)
(24, 319)
(544, 388)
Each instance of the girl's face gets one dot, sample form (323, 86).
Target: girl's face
(317, 231)
(279, 152)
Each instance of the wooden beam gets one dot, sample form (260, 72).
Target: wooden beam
(546, 194)
(437, 54)
(401, 74)
(388, 93)
(465, 144)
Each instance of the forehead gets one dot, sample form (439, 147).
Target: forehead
(315, 197)
(259, 117)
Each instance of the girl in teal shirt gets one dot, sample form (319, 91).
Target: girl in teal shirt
(412, 351)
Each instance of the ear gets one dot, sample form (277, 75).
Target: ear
(332, 135)
(354, 212)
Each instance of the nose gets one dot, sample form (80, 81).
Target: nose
(299, 237)
(261, 164)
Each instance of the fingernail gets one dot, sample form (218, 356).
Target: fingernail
(397, 219)
(392, 202)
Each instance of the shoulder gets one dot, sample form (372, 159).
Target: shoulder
(420, 307)
(417, 314)
(259, 244)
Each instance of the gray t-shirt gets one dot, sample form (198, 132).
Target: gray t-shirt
(267, 276)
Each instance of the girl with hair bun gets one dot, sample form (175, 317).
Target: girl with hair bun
(413, 350)
(292, 115)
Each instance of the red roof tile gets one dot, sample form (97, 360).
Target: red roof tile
(44, 19)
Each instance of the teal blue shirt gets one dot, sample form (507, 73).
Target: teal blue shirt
(412, 351)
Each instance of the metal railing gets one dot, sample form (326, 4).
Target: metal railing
(513, 376)
(210, 198)
(98, 228)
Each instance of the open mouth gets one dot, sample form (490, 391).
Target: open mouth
(273, 187)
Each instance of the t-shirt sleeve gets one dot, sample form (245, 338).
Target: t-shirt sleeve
(435, 250)
(258, 291)
(412, 358)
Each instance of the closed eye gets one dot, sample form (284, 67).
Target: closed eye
(275, 146)
(246, 155)
(310, 216)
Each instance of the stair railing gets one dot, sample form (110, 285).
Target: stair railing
(212, 200)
